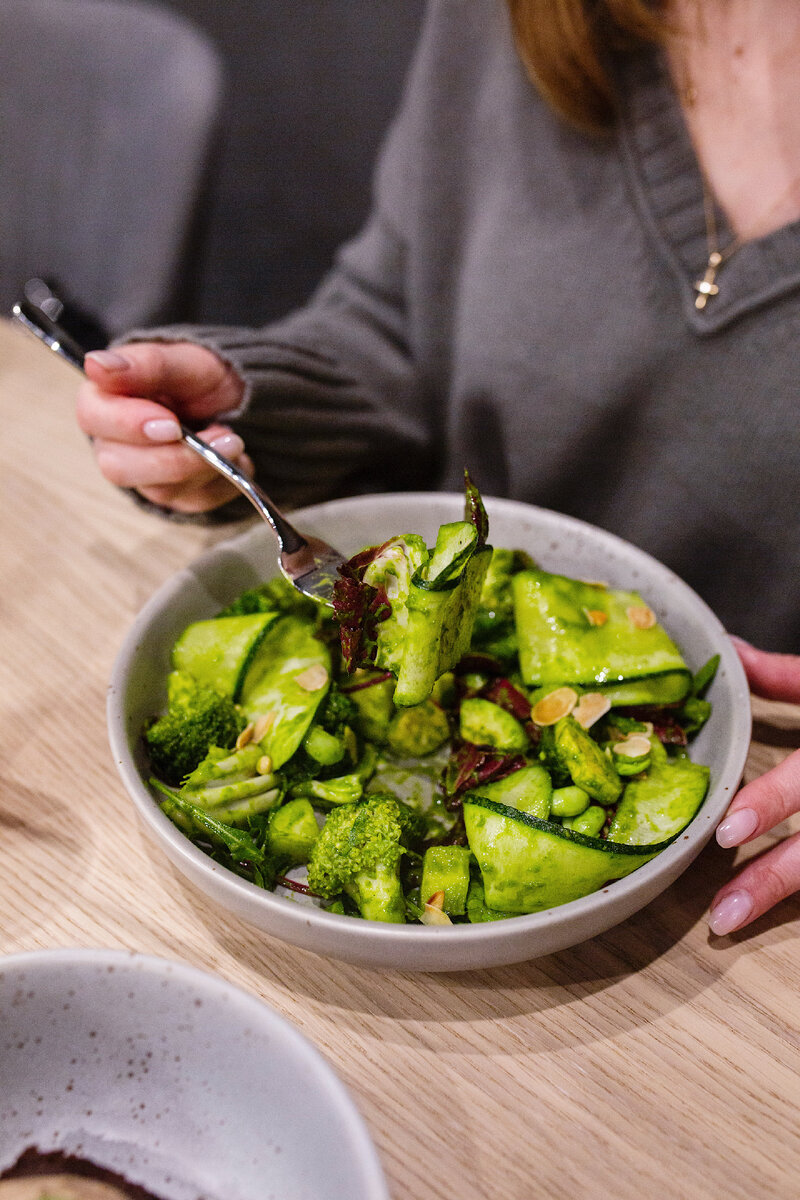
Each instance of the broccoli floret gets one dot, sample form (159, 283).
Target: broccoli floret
(197, 718)
(418, 730)
(359, 852)
(278, 595)
(336, 711)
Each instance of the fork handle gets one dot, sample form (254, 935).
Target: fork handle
(288, 537)
(61, 343)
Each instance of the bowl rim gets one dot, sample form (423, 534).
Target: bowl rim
(290, 914)
(336, 1096)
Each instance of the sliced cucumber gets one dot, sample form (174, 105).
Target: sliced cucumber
(661, 803)
(455, 543)
(529, 865)
(288, 678)
(219, 652)
(575, 632)
(529, 790)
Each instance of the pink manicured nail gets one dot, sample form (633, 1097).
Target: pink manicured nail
(736, 828)
(228, 444)
(731, 912)
(109, 359)
(162, 429)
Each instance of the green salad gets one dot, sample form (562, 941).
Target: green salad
(463, 737)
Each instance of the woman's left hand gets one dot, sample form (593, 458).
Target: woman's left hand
(760, 806)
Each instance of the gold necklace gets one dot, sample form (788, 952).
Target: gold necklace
(707, 286)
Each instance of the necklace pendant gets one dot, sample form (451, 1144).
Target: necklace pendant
(706, 287)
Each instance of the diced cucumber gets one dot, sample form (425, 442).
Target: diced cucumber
(477, 909)
(293, 831)
(322, 746)
(446, 869)
(487, 724)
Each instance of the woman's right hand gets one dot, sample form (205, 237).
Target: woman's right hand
(130, 405)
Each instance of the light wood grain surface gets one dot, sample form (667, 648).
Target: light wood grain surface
(653, 1061)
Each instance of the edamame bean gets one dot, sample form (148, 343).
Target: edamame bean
(589, 822)
(569, 801)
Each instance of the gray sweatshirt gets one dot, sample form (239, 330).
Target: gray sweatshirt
(521, 302)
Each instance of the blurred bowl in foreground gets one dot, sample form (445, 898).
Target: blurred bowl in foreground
(173, 1079)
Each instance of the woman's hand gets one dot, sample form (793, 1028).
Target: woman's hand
(130, 406)
(761, 805)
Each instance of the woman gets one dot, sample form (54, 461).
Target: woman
(581, 278)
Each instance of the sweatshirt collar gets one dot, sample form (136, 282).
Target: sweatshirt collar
(668, 188)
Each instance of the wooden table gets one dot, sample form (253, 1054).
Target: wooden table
(652, 1061)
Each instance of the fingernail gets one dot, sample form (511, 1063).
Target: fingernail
(162, 429)
(109, 359)
(739, 641)
(229, 444)
(736, 828)
(731, 912)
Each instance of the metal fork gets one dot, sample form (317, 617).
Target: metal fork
(309, 564)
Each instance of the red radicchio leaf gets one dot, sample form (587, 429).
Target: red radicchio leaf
(664, 719)
(365, 683)
(470, 766)
(358, 608)
(481, 664)
(294, 885)
(503, 693)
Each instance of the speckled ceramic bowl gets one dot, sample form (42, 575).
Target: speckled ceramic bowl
(173, 1079)
(559, 544)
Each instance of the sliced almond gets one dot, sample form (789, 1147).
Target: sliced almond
(245, 737)
(434, 913)
(262, 725)
(554, 706)
(598, 583)
(313, 678)
(590, 707)
(264, 765)
(641, 616)
(595, 616)
(636, 745)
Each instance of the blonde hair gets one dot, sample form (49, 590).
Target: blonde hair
(564, 44)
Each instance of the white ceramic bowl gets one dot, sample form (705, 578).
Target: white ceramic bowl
(558, 543)
(175, 1080)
